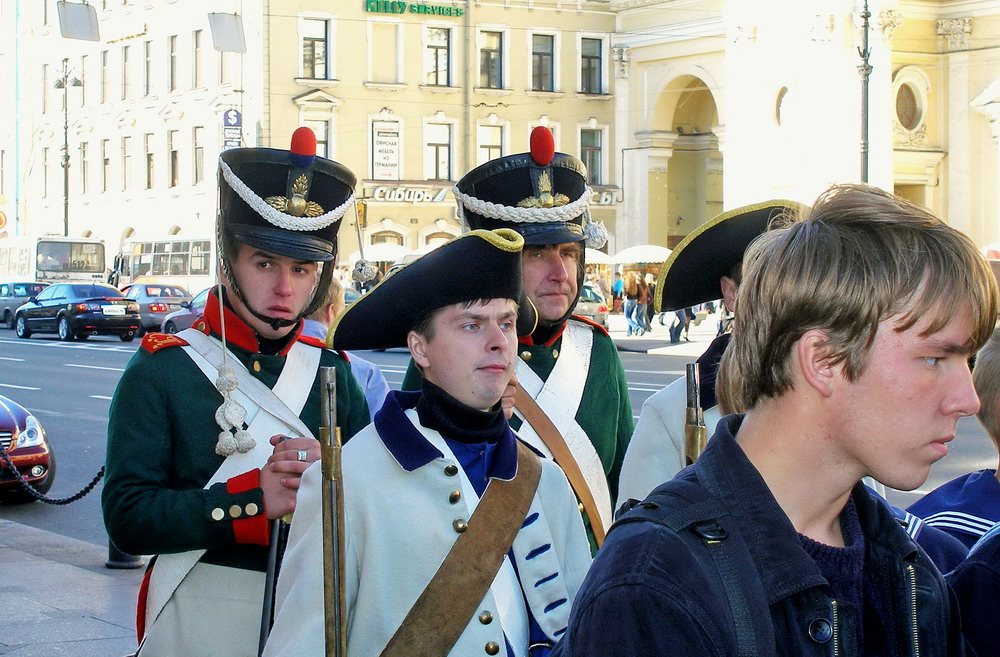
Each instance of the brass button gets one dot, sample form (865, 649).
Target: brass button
(451, 470)
(581, 507)
(492, 648)
(256, 366)
(486, 618)
(555, 353)
(460, 525)
(525, 355)
(218, 514)
(235, 511)
(455, 496)
(251, 509)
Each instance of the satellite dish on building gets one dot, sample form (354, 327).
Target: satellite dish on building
(227, 32)
(78, 21)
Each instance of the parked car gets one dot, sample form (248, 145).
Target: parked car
(189, 312)
(78, 311)
(592, 305)
(24, 441)
(13, 295)
(155, 302)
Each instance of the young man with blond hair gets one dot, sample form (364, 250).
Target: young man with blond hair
(850, 349)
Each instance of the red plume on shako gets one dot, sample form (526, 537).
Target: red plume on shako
(303, 148)
(543, 145)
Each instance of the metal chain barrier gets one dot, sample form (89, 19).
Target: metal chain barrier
(44, 498)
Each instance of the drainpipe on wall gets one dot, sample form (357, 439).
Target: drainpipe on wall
(470, 62)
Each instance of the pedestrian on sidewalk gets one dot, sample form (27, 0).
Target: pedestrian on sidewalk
(633, 292)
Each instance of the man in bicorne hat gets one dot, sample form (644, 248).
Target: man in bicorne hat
(460, 539)
(705, 266)
(211, 429)
(573, 402)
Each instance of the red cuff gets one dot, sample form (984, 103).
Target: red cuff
(252, 529)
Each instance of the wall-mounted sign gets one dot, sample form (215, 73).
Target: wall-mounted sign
(385, 150)
(409, 194)
(607, 197)
(397, 7)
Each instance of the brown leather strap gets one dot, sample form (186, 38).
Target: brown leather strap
(550, 435)
(442, 612)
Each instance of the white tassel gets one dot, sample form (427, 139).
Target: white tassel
(226, 446)
(596, 232)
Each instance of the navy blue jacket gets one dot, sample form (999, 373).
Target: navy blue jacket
(977, 586)
(654, 591)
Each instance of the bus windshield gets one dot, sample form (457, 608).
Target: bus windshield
(71, 257)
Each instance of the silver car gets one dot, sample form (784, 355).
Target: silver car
(14, 295)
(592, 305)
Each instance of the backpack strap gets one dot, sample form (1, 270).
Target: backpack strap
(680, 505)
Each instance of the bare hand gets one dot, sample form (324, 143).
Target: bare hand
(281, 476)
(507, 399)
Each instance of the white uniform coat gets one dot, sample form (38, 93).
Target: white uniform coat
(656, 452)
(399, 526)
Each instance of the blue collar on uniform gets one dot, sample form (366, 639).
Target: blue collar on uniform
(411, 450)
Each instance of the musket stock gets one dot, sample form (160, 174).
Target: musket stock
(695, 432)
(334, 591)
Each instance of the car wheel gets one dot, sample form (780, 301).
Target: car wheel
(15, 494)
(141, 331)
(8, 319)
(65, 332)
(127, 337)
(21, 327)
(170, 327)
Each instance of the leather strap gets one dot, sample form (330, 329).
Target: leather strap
(442, 612)
(563, 457)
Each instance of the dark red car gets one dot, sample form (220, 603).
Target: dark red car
(24, 441)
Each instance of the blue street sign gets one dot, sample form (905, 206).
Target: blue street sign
(232, 118)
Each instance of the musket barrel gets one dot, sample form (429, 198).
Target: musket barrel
(695, 432)
(334, 591)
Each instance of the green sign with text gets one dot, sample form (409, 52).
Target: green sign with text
(398, 7)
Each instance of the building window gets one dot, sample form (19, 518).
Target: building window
(45, 88)
(590, 153)
(147, 143)
(84, 169)
(385, 63)
(83, 80)
(908, 111)
(223, 68)
(438, 153)
(196, 59)
(490, 142)
(198, 160)
(125, 73)
(590, 66)
(543, 62)
(491, 60)
(173, 158)
(126, 163)
(104, 76)
(387, 237)
(147, 68)
(105, 165)
(172, 63)
(315, 32)
(322, 132)
(45, 172)
(438, 56)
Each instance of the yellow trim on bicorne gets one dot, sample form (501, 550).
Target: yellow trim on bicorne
(711, 223)
(504, 239)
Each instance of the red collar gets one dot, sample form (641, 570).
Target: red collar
(529, 340)
(237, 331)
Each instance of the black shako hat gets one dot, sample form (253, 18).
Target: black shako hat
(481, 264)
(690, 275)
(284, 202)
(543, 195)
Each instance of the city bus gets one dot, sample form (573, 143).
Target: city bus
(187, 261)
(52, 259)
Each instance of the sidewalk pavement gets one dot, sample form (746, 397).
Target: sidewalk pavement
(58, 600)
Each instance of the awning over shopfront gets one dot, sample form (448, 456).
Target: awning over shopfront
(644, 253)
(595, 257)
(380, 253)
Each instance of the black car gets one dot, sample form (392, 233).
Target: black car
(24, 441)
(78, 310)
(155, 301)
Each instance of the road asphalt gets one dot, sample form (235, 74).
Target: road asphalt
(58, 599)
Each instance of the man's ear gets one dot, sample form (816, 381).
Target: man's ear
(417, 344)
(729, 287)
(812, 356)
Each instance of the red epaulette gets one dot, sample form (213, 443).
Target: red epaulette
(312, 342)
(154, 342)
(592, 323)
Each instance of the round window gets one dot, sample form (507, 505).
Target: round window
(907, 107)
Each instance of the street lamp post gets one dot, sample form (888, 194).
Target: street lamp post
(64, 82)
(865, 70)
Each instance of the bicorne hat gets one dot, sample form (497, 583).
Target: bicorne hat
(543, 195)
(690, 275)
(481, 264)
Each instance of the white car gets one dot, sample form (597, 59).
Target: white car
(592, 305)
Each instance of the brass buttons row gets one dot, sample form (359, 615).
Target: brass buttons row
(460, 525)
(492, 648)
(526, 355)
(235, 511)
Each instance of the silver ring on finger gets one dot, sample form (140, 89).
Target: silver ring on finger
(301, 455)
